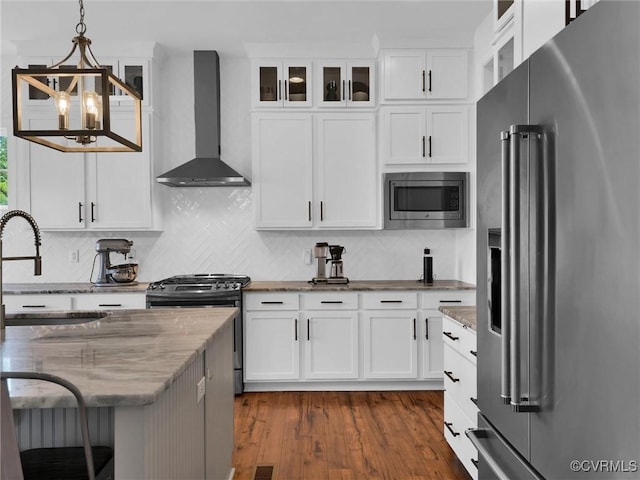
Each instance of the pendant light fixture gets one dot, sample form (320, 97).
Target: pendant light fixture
(77, 117)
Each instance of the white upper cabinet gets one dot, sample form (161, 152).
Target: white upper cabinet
(424, 74)
(305, 166)
(282, 169)
(94, 191)
(349, 83)
(345, 171)
(281, 83)
(425, 135)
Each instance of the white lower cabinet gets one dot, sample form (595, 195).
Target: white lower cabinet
(331, 348)
(460, 410)
(27, 303)
(271, 345)
(345, 340)
(110, 301)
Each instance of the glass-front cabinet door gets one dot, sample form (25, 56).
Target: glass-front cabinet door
(343, 83)
(281, 83)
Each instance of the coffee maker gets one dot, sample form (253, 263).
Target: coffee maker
(322, 251)
(114, 275)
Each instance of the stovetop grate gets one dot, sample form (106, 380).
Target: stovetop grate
(206, 278)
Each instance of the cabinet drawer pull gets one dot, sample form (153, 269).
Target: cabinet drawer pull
(390, 301)
(452, 337)
(474, 353)
(451, 377)
(474, 400)
(450, 301)
(109, 304)
(80, 212)
(453, 432)
(426, 328)
(271, 303)
(33, 306)
(331, 301)
(475, 462)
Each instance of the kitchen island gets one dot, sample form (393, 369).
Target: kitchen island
(139, 370)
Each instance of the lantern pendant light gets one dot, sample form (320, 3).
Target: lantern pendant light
(77, 99)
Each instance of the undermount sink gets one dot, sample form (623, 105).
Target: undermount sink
(73, 317)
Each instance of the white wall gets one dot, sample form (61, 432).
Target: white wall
(210, 230)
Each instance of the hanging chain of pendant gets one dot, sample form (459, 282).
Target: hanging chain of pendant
(81, 28)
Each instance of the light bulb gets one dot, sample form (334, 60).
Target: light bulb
(90, 109)
(63, 105)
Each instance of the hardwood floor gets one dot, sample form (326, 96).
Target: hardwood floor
(343, 436)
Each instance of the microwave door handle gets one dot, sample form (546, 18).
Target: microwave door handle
(505, 290)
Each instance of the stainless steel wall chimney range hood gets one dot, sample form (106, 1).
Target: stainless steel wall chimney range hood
(207, 169)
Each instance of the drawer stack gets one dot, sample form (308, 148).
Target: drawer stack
(460, 409)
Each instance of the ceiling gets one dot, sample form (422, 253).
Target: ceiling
(234, 26)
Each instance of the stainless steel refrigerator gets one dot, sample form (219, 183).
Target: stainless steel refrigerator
(558, 244)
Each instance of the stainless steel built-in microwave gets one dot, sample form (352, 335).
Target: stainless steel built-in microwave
(425, 200)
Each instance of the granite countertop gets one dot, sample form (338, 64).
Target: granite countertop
(466, 315)
(127, 358)
(61, 288)
(356, 285)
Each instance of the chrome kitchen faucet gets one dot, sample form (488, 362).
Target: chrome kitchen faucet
(37, 259)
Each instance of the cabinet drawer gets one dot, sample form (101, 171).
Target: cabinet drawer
(272, 301)
(390, 300)
(459, 376)
(36, 303)
(460, 338)
(443, 298)
(456, 423)
(330, 301)
(110, 301)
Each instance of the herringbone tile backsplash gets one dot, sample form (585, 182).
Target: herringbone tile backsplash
(210, 230)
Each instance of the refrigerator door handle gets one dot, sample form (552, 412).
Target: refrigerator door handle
(505, 386)
(516, 132)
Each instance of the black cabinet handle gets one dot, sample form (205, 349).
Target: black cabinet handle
(295, 330)
(429, 146)
(390, 301)
(453, 432)
(109, 304)
(331, 301)
(426, 328)
(271, 303)
(415, 336)
(475, 462)
(450, 301)
(429, 80)
(451, 377)
(80, 212)
(423, 146)
(279, 89)
(474, 400)
(452, 337)
(309, 210)
(308, 328)
(349, 90)
(286, 96)
(474, 353)
(321, 211)
(93, 212)
(423, 81)
(33, 306)
(343, 89)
